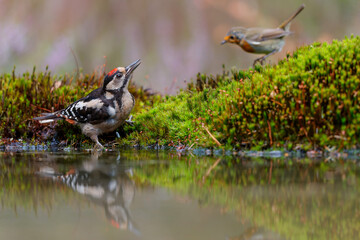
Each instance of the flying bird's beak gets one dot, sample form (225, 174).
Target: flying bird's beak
(129, 69)
(226, 39)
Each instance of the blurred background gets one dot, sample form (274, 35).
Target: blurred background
(175, 39)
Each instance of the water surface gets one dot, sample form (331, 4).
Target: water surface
(160, 195)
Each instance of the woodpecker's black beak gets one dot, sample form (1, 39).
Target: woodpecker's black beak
(129, 69)
(223, 42)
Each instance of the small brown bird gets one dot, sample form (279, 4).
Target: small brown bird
(261, 40)
(104, 109)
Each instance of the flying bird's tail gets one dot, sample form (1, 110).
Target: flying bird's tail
(286, 24)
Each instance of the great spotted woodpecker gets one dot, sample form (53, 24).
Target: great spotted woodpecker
(104, 109)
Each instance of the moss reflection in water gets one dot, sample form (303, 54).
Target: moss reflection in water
(299, 199)
(21, 188)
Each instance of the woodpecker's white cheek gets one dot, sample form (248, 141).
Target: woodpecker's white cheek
(114, 84)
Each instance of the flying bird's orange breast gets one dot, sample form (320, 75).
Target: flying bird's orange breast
(246, 46)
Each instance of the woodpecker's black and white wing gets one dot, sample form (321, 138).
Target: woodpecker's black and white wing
(90, 109)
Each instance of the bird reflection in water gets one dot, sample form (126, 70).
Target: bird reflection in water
(106, 185)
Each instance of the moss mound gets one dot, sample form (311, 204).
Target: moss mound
(310, 98)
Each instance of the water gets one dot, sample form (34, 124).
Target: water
(160, 195)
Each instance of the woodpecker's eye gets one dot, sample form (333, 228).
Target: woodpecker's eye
(119, 75)
(231, 37)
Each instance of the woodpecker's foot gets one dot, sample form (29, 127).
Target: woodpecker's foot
(261, 60)
(129, 121)
(98, 147)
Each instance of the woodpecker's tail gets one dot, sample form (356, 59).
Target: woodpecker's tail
(48, 117)
(286, 24)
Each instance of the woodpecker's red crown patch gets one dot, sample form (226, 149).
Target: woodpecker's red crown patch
(112, 72)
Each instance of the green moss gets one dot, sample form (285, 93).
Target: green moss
(309, 98)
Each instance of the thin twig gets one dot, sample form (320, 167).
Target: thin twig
(216, 141)
(191, 145)
(338, 137)
(276, 102)
(44, 109)
(77, 64)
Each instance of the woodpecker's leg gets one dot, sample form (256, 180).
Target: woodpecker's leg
(261, 60)
(130, 121)
(97, 143)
